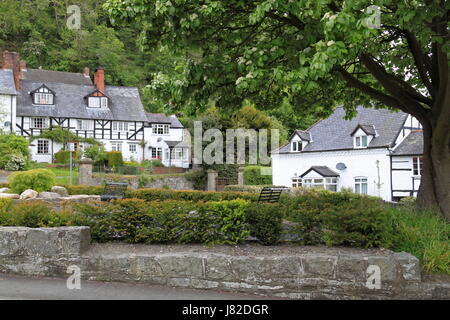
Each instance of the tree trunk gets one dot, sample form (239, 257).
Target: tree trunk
(434, 191)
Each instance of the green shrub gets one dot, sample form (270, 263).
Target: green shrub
(115, 159)
(198, 179)
(33, 214)
(163, 194)
(11, 144)
(15, 162)
(63, 156)
(37, 179)
(82, 189)
(253, 176)
(135, 220)
(338, 218)
(425, 235)
(128, 170)
(96, 153)
(149, 164)
(250, 189)
(265, 222)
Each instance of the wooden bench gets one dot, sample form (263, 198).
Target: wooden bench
(271, 194)
(113, 191)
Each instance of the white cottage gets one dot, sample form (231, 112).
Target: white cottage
(376, 153)
(33, 100)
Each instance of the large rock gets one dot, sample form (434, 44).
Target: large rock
(28, 194)
(5, 190)
(60, 190)
(49, 195)
(9, 196)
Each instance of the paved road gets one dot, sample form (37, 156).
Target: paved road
(39, 288)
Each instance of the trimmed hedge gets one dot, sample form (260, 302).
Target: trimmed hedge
(114, 159)
(339, 218)
(139, 221)
(250, 189)
(83, 189)
(63, 156)
(184, 195)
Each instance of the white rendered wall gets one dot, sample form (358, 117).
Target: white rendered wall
(360, 163)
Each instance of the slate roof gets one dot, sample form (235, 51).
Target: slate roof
(367, 128)
(304, 135)
(324, 171)
(334, 133)
(46, 76)
(162, 118)
(175, 143)
(411, 145)
(7, 85)
(124, 104)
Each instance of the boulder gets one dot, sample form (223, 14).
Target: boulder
(9, 196)
(49, 195)
(60, 190)
(5, 190)
(28, 194)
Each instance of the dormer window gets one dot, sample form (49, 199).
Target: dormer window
(361, 142)
(43, 96)
(297, 146)
(97, 100)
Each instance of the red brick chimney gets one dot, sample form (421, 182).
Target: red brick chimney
(11, 60)
(99, 79)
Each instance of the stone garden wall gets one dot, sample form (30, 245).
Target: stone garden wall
(171, 182)
(284, 271)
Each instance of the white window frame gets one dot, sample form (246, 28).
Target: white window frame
(156, 153)
(43, 146)
(39, 123)
(121, 126)
(297, 146)
(43, 98)
(327, 183)
(297, 182)
(132, 147)
(94, 102)
(417, 166)
(160, 129)
(359, 141)
(360, 182)
(103, 102)
(85, 124)
(116, 146)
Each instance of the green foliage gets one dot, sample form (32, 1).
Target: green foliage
(338, 218)
(134, 221)
(144, 180)
(253, 176)
(14, 152)
(264, 221)
(250, 189)
(63, 156)
(181, 195)
(82, 189)
(32, 214)
(198, 178)
(96, 153)
(426, 235)
(61, 135)
(115, 159)
(38, 179)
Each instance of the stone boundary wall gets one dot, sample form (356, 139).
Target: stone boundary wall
(283, 271)
(172, 182)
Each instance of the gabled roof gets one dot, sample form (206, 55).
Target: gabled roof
(125, 103)
(334, 133)
(43, 86)
(163, 119)
(324, 171)
(411, 145)
(367, 128)
(47, 76)
(304, 135)
(7, 85)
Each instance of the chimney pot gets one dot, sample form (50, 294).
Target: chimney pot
(86, 72)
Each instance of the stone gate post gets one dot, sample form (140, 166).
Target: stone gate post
(85, 176)
(212, 180)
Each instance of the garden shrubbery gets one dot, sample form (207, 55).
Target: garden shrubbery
(114, 159)
(184, 195)
(338, 218)
(14, 153)
(253, 176)
(37, 179)
(63, 156)
(138, 221)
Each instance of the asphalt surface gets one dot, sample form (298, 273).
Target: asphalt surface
(39, 288)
